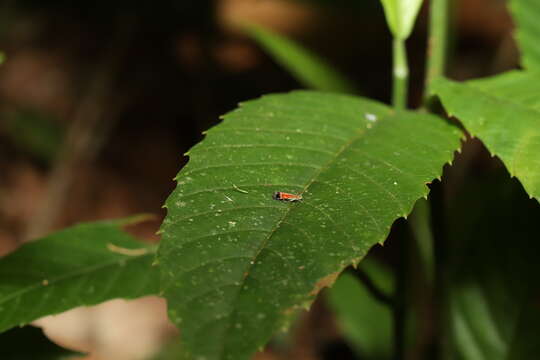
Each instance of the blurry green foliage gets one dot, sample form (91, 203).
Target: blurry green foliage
(366, 321)
(35, 133)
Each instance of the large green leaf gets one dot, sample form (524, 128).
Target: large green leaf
(236, 263)
(400, 15)
(29, 343)
(83, 265)
(526, 14)
(306, 66)
(493, 291)
(365, 321)
(504, 112)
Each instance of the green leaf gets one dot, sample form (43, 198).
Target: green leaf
(527, 33)
(401, 15)
(306, 66)
(236, 263)
(82, 265)
(493, 292)
(365, 321)
(30, 343)
(504, 112)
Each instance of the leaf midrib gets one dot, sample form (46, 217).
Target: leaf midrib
(252, 262)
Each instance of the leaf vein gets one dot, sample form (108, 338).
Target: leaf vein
(273, 131)
(176, 221)
(380, 186)
(180, 246)
(183, 196)
(242, 165)
(344, 147)
(280, 146)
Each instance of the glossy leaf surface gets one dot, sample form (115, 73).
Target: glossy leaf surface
(237, 263)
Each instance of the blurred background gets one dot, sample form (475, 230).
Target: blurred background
(99, 100)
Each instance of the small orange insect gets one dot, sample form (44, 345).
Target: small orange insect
(283, 196)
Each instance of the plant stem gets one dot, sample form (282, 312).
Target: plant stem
(400, 74)
(422, 263)
(421, 229)
(400, 299)
(437, 42)
(435, 66)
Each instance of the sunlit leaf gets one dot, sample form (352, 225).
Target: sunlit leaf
(504, 112)
(82, 265)
(525, 14)
(237, 263)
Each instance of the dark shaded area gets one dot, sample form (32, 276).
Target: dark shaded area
(491, 260)
(29, 342)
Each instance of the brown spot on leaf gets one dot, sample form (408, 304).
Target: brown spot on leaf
(326, 281)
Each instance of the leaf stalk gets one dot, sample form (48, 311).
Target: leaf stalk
(437, 46)
(400, 74)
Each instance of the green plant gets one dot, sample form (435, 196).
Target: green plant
(236, 265)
